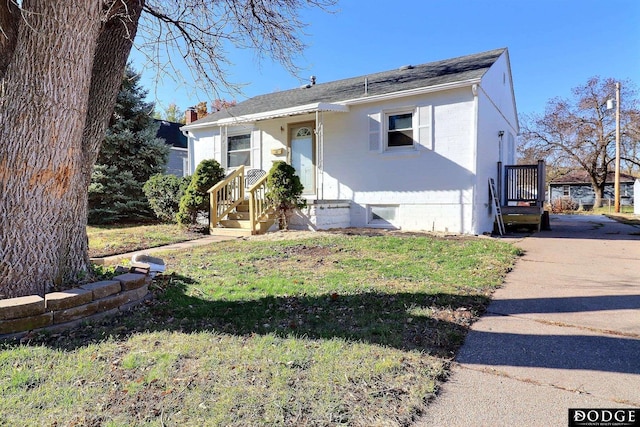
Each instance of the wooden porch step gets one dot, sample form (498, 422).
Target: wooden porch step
(243, 206)
(242, 216)
(239, 215)
(244, 225)
(236, 223)
(235, 232)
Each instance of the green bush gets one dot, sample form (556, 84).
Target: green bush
(283, 191)
(164, 193)
(195, 200)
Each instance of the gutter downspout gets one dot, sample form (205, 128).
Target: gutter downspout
(474, 139)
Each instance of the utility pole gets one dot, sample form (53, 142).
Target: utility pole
(617, 177)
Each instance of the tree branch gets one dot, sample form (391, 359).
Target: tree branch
(201, 32)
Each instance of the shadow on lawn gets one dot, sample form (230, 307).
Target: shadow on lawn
(434, 323)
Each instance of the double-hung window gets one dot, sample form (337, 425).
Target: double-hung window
(239, 150)
(399, 132)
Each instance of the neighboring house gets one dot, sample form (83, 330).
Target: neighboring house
(577, 187)
(178, 157)
(410, 148)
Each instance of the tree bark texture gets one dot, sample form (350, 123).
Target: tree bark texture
(61, 82)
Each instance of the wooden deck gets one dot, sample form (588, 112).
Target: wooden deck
(522, 193)
(515, 217)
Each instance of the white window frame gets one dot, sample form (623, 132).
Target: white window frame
(247, 150)
(185, 166)
(387, 114)
(382, 223)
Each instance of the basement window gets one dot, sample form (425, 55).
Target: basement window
(382, 215)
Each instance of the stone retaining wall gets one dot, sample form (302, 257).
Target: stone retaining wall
(59, 310)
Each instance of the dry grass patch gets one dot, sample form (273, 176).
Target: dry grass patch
(114, 240)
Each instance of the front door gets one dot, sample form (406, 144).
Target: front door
(302, 158)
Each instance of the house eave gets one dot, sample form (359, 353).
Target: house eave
(273, 114)
(339, 106)
(412, 92)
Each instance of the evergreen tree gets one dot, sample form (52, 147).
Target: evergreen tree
(129, 155)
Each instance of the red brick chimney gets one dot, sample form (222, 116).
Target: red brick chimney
(191, 115)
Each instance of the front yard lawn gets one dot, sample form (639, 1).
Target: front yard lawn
(113, 240)
(321, 330)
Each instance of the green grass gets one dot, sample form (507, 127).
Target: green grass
(114, 240)
(327, 330)
(604, 210)
(625, 218)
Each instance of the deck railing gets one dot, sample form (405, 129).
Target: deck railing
(524, 184)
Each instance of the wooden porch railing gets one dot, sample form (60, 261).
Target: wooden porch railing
(258, 205)
(225, 196)
(229, 193)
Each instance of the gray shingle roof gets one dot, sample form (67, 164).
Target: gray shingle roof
(582, 177)
(418, 76)
(170, 132)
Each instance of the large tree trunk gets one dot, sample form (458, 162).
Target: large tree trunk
(60, 88)
(598, 190)
(599, 195)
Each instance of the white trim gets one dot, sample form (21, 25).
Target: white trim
(495, 107)
(386, 113)
(410, 92)
(273, 114)
(338, 106)
(424, 127)
(250, 150)
(513, 95)
(319, 130)
(374, 122)
(477, 197)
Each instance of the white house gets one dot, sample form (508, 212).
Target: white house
(411, 148)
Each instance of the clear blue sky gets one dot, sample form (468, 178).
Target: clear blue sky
(554, 45)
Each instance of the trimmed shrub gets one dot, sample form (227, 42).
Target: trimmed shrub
(564, 204)
(283, 191)
(195, 200)
(164, 193)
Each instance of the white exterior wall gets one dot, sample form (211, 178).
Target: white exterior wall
(496, 112)
(202, 146)
(322, 216)
(432, 185)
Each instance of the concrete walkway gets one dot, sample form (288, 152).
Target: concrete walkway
(109, 260)
(563, 332)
